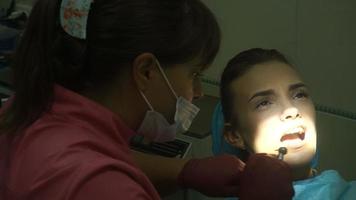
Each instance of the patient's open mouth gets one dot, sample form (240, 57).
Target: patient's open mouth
(295, 133)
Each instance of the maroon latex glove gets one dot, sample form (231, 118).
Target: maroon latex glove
(265, 177)
(214, 176)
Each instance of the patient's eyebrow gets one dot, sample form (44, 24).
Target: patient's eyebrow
(272, 92)
(262, 93)
(296, 86)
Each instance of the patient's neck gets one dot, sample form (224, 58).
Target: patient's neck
(302, 172)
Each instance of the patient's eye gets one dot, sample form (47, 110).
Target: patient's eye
(263, 104)
(301, 95)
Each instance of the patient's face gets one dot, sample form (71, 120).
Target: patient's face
(273, 110)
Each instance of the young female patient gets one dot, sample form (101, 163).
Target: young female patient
(265, 106)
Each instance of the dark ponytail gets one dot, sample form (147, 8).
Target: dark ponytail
(32, 75)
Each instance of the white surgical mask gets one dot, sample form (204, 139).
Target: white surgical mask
(156, 127)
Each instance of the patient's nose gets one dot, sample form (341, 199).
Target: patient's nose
(290, 113)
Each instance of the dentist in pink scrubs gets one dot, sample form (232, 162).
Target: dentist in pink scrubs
(88, 75)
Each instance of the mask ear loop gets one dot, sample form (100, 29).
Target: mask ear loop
(148, 103)
(166, 79)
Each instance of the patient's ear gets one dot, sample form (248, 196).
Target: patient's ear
(233, 137)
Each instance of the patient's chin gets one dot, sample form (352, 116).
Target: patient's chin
(296, 160)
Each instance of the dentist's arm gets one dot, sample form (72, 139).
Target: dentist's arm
(212, 176)
(162, 171)
(220, 176)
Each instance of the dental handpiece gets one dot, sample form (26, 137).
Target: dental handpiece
(281, 152)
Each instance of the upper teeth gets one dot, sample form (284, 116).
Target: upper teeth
(296, 130)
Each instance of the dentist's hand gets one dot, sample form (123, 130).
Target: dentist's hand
(265, 177)
(213, 176)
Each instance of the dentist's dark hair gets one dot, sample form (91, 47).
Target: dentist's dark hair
(175, 31)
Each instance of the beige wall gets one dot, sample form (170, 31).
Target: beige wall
(318, 36)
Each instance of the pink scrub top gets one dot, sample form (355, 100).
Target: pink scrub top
(76, 151)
